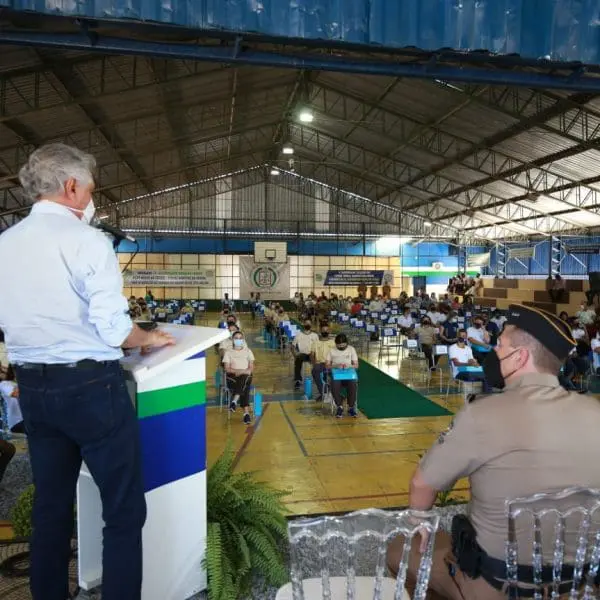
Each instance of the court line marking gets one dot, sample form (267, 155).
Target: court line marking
(368, 452)
(367, 497)
(249, 435)
(293, 428)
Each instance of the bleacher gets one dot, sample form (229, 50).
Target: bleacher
(500, 293)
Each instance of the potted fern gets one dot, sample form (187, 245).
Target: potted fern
(247, 531)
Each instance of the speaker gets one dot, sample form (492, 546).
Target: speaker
(594, 281)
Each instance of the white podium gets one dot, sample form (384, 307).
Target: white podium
(168, 387)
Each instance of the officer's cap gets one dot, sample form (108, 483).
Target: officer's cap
(553, 333)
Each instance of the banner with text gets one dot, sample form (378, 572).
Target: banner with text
(271, 280)
(478, 260)
(528, 252)
(203, 278)
(356, 278)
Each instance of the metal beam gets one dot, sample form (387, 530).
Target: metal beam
(343, 64)
(391, 126)
(498, 138)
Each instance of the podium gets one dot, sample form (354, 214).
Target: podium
(168, 388)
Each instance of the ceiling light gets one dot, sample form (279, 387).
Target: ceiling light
(306, 116)
(287, 150)
(427, 223)
(274, 171)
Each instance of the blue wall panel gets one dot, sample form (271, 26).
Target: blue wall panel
(560, 29)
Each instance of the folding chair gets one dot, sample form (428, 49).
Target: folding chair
(439, 350)
(389, 340)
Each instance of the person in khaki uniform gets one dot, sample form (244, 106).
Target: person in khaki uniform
(534, 437)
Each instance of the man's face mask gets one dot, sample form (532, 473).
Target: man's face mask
(341, 346)
(478, 325)
(307, 326)
(324, 333)
(238, 342)
(462, 340)
(492, 369)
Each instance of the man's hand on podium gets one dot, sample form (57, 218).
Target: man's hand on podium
(157, 339)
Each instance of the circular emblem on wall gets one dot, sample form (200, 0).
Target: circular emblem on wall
(265, 278)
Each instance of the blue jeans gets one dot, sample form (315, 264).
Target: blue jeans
(83, 413)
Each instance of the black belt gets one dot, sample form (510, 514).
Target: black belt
(81, 364)
(493, 570)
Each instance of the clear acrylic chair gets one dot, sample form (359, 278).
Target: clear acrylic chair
(559, 535)
(344, 558)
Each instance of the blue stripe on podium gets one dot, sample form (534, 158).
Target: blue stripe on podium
(173, 446)
(199, 355)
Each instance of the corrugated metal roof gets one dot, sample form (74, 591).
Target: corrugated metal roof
(458, 155)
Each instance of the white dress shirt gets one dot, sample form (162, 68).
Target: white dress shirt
(64, 302)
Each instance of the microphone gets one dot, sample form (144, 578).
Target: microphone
(117, 233)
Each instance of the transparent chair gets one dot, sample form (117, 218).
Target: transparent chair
(344, 558)
(559, 535)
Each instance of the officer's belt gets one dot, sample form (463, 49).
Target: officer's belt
(475, 562)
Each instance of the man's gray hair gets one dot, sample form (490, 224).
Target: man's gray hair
(51, 165)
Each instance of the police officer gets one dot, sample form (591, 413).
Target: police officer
(511, 445)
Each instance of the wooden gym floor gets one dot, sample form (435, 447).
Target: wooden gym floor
(327, 464)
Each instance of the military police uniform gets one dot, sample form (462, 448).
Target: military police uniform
(535, 437)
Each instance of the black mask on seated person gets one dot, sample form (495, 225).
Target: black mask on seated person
(307, 327)
(342, 346)
(325, 334)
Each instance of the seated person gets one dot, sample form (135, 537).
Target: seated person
(406, 323)
(343, 356)
(319, 351)
(449, 330)
(492, 329)
(227, 344)
(556, 289)
(461, 355)
(579, 332)
(498, 319)
(10, 395)
(301, 349)
(479, 339)
(239, 366)
(427, 335)
(145, 312)
(507, 447)
(187, 309)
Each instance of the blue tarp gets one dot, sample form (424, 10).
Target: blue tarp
(562, 30)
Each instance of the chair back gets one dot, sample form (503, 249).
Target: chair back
(559, 535)
(355, 545)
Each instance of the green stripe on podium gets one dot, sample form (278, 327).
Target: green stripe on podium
(159, 402)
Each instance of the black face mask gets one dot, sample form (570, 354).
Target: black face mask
(478, 325)
(307, 327)
(325, 334)
(462, 341)
(342, 346)
(492, 370)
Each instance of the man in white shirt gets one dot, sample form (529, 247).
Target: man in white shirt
(301, 348)
(479, 339)
(405, 322)
(65, 350)
(461, 355)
